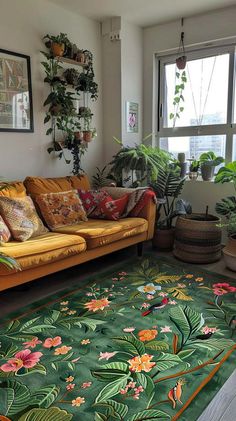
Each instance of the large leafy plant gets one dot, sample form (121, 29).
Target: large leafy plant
(167, 187)
(144, 159)
(227, 206)
(209, 158)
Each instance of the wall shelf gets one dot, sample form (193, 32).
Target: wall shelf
(70, 61)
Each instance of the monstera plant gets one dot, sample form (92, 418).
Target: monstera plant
(227, 208)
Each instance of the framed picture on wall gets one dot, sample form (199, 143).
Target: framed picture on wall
(132, 117)
(16, 106)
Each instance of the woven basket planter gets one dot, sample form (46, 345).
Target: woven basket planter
(197, 240)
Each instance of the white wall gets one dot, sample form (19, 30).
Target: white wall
(199, 29)
(23, 23)
(122, 81)
(132, 77)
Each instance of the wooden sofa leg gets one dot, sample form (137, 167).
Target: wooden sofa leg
(140, 249)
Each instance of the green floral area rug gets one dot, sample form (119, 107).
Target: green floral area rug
(148, 340)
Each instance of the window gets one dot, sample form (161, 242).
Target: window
(199, 114)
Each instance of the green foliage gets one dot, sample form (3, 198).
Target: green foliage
(167, 187)
(51, 414)
(187, 321)
(115, 409)
(142, 158)
(150, 414)
(194, 166)
(178, 96)
(227, 174)
(209, 158)
(227, 206)
(59, 39)
(100, 178)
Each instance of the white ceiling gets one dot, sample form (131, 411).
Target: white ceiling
(142, 12)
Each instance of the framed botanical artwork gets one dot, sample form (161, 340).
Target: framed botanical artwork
(132, 117)
(16, 106)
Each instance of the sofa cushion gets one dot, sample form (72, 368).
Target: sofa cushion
(99, 232)
(62, 208)
(40, 185)
(13, 189)
(21, 217)
(43, 249)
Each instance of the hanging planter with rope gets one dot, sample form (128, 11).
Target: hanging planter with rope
(181, 60)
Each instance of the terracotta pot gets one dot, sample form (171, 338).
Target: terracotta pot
(87, 136)
(181, 62)
(57, 49)
(197, 239)
(229, 253)
(78, 135)
(163, 239)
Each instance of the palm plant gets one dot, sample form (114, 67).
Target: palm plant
(167, 187)
(227, 206)
(141, 158)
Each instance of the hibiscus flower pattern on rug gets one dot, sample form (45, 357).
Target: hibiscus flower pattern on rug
(149, 340)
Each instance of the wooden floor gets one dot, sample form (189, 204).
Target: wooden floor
(222, 407)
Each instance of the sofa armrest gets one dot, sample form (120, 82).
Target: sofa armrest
(148, 212)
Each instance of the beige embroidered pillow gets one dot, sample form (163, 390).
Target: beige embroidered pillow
(20, 216)
(62, 208)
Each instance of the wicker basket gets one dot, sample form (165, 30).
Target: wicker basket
(197, 240)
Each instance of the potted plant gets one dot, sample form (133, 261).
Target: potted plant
(227, 209)
(193, 169)
(141, 159)
(71, 76)
(87, 84)
(167, 187)
(58, 44)
(208, 162)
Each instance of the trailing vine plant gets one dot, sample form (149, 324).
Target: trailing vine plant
(178, 95)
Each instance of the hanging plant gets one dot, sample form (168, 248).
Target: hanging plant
(178, 98)
(180, 81)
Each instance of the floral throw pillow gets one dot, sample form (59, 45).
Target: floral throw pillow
(5, 234)
(20, 216)
(61, 208)
(110, 208)
(91, 198)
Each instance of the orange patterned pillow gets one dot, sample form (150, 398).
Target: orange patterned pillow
(62, 208)
(21, 217)
(5, 234)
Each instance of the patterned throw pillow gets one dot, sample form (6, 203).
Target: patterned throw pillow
(21, 217)
(111, 209)
(91, 198)
(62, 208)
(5, 234)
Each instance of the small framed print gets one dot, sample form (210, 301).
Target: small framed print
(132, 117)
(16, 106)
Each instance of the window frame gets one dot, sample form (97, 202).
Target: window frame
(228, 129)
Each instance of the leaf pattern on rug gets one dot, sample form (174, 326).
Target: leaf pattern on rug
(131, 344)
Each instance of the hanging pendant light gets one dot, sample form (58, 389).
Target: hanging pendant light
(181, 60)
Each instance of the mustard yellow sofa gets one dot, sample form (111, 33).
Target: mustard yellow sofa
(70, 245)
